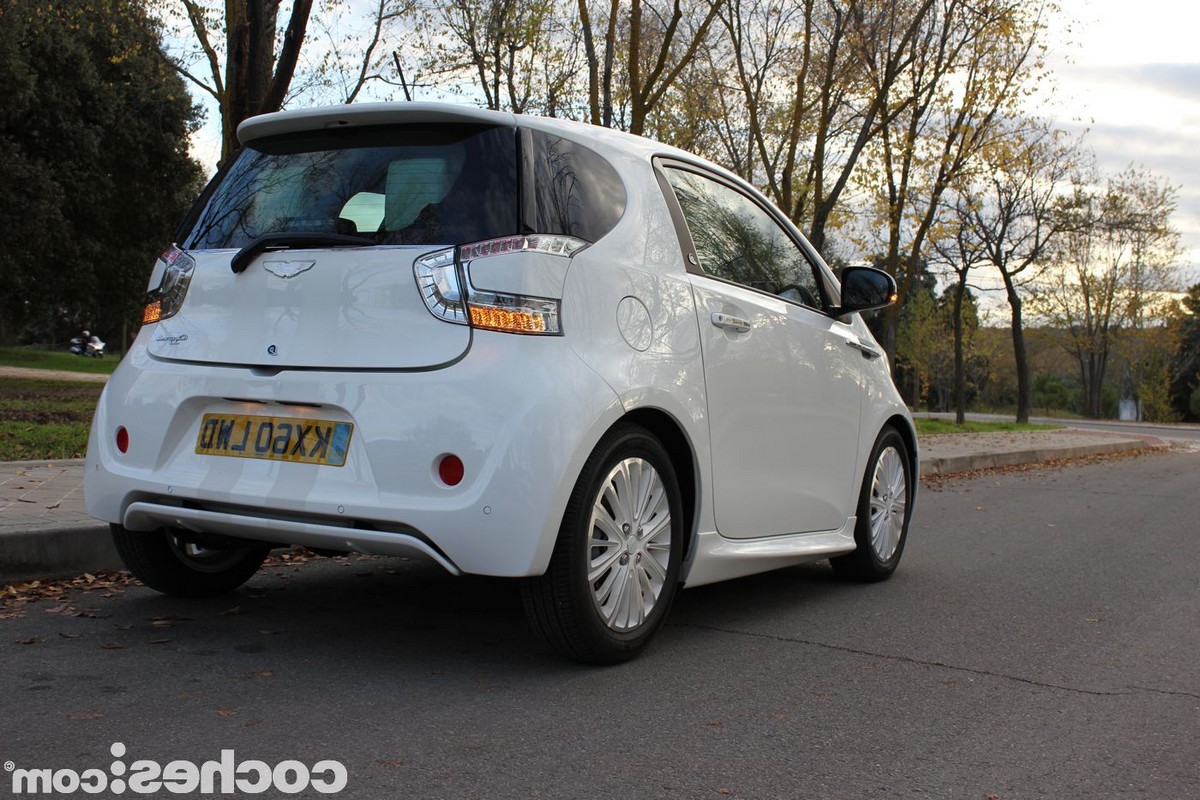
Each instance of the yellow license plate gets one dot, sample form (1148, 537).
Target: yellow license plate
(308, 441)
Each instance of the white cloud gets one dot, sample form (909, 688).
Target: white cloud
(1131, 75)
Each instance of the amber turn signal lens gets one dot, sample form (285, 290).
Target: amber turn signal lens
(152, 312)
(502, 319)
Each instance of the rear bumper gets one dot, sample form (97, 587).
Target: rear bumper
(521, 412)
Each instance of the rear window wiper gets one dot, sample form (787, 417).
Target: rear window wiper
(286, 240)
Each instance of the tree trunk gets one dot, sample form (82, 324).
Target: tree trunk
(1020, 353)
(1092, 367)
(960, 378)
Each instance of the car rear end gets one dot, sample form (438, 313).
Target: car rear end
(357, 345)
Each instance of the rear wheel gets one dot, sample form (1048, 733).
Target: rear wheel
(615, 567)
(883, 512)
(167, 562)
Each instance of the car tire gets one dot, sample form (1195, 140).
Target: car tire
(884, 509)
(615, 567)
(163, 561)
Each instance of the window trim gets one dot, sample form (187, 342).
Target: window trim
(827, 283)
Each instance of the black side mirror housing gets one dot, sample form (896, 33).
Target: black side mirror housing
(866, 289)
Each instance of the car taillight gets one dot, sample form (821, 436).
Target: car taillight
(166, 299)
(442, 275)
(437, 278)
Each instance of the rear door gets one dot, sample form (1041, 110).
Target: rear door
(784, 388)
(402, 190)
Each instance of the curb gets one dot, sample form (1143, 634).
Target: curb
(56, 552)
(967, 463)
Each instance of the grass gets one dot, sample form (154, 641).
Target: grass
(41, 419)
(34, 358)
(926, 427)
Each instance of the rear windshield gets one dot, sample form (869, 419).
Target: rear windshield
(420, 185)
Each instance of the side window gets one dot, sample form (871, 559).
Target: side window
(576, 192)
(737, 240)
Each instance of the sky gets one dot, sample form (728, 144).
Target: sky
(1129, 73)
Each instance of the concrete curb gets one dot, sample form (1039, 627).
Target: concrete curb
(966, 463)
(56, 552)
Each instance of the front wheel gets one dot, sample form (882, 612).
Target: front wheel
(615, 567)
(884, 509)
(167, 562)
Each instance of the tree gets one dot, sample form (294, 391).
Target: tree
(815, 80)
(94, 130)
(1185, 378)
(926, 349)
(514, 51)
(245, 55)
(1004, 217)
(961, 253)
(971, 67)
(662, 39)
(1116, 251)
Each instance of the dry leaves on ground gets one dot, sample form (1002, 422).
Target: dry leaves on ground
(16, 596)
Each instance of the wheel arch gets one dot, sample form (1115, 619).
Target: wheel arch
(904, 426)
(670, 433)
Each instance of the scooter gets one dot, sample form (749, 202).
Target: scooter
(88, 345)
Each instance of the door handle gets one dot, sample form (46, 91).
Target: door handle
(730, 322)
(865, 349)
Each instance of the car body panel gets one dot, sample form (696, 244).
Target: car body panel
(347, 309)
(494, 522)
(785, 402)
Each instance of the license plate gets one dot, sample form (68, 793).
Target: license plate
(308, 441)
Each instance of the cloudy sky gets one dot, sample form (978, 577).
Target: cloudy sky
(1129, 72)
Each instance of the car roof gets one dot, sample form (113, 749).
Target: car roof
(369, 114)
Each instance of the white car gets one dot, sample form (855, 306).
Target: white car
(515, 346)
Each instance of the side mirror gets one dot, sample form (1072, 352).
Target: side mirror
(865, 289)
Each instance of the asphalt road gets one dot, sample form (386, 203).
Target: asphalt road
(1039, 640)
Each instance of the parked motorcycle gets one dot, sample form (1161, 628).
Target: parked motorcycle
(88, 345)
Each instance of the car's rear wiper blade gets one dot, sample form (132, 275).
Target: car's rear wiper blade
(288, 239)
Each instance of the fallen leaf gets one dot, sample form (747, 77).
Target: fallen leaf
(388, 762)
(159, 641)
(68, 635)
(254, 723)
(262, 673)
(714, 723)
(229, 612)
(224, 712)
(112, 646)
(30, 640)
